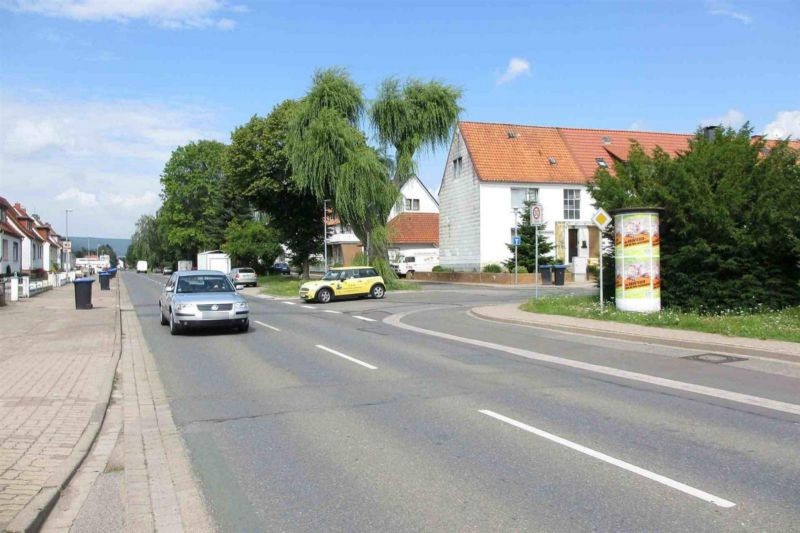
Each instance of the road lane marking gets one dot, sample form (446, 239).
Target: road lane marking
(747, 399)
(266, 325)
(364, 318)
(677, 485)
(307, 307)
(332, 311)
(289, 303)
(352, 359)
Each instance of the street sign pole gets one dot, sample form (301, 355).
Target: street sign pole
(601, 273)
(536, 256)
(516, 262)
(602, 220)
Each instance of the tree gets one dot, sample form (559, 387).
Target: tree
(251, 243)
(193, 214)
(331, 158)
(106, 249)
(526, 251)
(730, 229)
(147, 242)
(257, 165)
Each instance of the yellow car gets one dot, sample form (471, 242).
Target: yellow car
(344, 282)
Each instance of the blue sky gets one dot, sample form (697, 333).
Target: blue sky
(94, 94)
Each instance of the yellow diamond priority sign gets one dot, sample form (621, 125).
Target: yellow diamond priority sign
(601, 219)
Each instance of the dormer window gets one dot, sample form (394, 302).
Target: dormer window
(551, 160)
(601, 162)
(606, 139)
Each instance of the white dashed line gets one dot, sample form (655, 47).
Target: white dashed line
(266, 325)
(332, 311)
(289, 303)
(307, 306)
(351, 359)
(677, 485)
(364, 318)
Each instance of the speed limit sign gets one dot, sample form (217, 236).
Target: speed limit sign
(537, 215)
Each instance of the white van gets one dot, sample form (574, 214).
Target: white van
(408, 264)
(141, 267)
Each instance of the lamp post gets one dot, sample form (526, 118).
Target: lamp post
(66, 224)
(516, 246)
(325, 234)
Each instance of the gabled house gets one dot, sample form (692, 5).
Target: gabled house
(11, 250)
(493, 169)
(32, 242)
(51, 249)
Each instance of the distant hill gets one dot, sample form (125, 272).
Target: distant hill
(120, 246)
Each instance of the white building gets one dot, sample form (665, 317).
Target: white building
(492, 169)
(32, 247)
(11, 250)
(51, 248)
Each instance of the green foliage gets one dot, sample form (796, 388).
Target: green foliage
(493, 268)
(730, 229)
(106, 249)
(440, 268)
(251, 243)
(526, 251)
(194, 214)
(520, 270)
(337, 265)
(257, 164)
(360, 259)
(147, 242)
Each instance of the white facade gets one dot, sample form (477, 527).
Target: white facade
(11, 252)
(414, 198)
(460, 212)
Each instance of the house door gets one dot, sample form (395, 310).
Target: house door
(572, 244)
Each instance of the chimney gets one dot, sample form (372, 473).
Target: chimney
(709, 132)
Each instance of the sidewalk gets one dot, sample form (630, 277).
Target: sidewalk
(56, 368)
(780, 350)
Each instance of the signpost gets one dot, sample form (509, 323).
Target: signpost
(537, 219)
(602, 220)
(516, 241)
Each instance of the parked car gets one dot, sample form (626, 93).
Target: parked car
(344, 282)
(157, 270)
(244, 276)
(168, 271)
(280, 268)
(202, 298)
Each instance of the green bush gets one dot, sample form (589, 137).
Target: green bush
(493, 268)
(360, 259)
(337, 265)
(520, 270)
(440, 268)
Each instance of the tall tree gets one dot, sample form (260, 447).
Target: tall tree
(257, 165)
(251, 243)
(193, 214)
(526, 251)
(730, 229)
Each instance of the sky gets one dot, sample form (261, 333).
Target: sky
(95, 94)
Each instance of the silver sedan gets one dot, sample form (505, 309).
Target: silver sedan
(202, 298)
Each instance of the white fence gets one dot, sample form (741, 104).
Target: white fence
(22, 287)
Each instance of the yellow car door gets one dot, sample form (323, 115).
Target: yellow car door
(349, 284)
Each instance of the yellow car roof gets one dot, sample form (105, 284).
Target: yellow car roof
(350, 268)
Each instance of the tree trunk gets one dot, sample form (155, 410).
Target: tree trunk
(306, 270)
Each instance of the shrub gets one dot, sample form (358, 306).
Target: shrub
(440, 268)
(360, 259)
(337, 265)
(493, 268)
(520, 270)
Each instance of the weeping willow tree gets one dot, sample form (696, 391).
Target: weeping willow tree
(330, 155)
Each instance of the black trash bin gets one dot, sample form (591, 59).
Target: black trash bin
(83, 293)
(105, 281)
(112, 272)
(558, 274)
(546, 271)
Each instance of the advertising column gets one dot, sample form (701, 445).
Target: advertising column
(637, 260)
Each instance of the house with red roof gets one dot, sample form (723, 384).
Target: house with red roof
(11, 250)
(51, 248)
(32, 243)
(492, 169)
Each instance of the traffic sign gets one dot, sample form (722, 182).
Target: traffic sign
(601, 219)
(516, 240)
(67, 246)
(537, 214)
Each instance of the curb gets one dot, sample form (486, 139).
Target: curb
(32, 517)
(726, 348)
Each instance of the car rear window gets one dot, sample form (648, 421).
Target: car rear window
(246, 270)
(367, 273)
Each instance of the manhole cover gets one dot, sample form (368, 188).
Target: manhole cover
(715, 358)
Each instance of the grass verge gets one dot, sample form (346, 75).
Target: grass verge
(402, 285)
(776, 325)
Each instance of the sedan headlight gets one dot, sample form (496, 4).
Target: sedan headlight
(184, 307)
(240, 306)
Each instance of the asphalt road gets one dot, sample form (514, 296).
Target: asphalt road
(328, 418)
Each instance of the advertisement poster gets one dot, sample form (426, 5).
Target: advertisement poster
(638, 269)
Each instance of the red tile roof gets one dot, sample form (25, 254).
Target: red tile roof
(20, 217)
(8, 229)
(414, 228)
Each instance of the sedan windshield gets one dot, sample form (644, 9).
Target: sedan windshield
(200, 283)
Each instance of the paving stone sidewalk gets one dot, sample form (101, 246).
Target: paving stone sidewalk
(150, 485)
(56, 364)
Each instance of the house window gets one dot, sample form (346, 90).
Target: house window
(4, 254)
(412, 204)
(572, 204)
(521, 195)
(601, 162)
(457, 163)
(15, 248)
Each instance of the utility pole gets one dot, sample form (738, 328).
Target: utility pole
(325, 235)
(536, 260)
(66, 223)
(516, 247)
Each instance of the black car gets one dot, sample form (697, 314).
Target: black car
(280, 268)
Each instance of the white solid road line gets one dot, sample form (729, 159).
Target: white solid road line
(756, 401)
(307, 307)
(677, 485)
(364, 318)
(266, 325)
(352, 359)
(332, 311)
(289, 303)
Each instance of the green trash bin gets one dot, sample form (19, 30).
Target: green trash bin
(558, 274)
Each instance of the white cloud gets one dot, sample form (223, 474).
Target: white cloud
(517, 66)
(84, 199)
(720, 8)
(636, 125)
(732, 119)
(101, 158)
(169, 14)
(786, 123)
